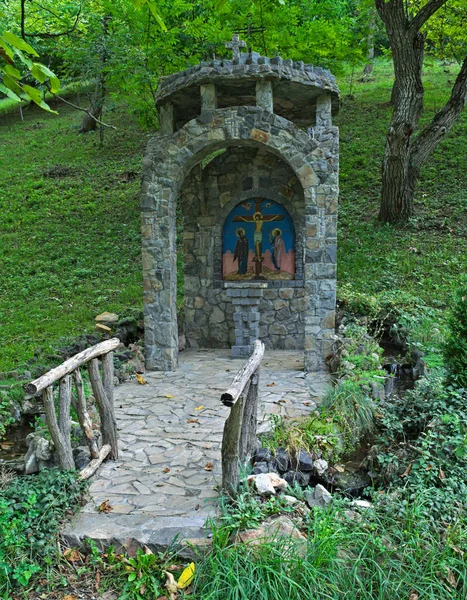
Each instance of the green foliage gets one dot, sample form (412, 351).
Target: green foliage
(31, 511)
(455, 349)
(423, 449)
(14, 48)
(320, 434)
(247, 511)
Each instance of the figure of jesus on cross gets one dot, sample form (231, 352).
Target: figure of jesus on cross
(258, 219)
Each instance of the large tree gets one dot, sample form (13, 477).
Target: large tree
(406, 150)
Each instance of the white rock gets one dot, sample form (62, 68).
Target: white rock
(107, 317)
(290, 500)
(267, 484)
(321, 466)
(322, 495)
(361, 504)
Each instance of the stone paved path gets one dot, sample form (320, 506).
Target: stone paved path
(170, 433)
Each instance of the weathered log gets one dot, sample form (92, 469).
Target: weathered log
(241, 378)
(64, 405)
(62, 444)
(247, 444)
(231, 446)
(83, 415)
(108, 375)
(92, 467)
(106, 409)
(70, 365)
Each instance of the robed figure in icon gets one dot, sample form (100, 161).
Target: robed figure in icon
(278, 248)
(241, 252)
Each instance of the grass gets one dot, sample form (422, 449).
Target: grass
(372, 558)
(69, 234)
(70, 244)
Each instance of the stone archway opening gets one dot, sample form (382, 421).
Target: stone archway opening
(239, 176)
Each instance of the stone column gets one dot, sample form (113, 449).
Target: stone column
(166, 118)
(245, 298)
(323, 111)
(159, 256)
(208, 97)
(264, 95)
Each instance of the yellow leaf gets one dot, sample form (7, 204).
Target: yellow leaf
(339, 468)
(187, 576)
(209, 466)
(140, 379)
(168, 396)
(199, 407)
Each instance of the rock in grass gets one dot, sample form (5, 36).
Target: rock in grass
(267, 484)
(106, 317)
(320, 466)
(280, 527)
(282, 460)
(318, 497)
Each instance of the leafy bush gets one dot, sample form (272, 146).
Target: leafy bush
(31, 511)
(423, 448)
(455, 349)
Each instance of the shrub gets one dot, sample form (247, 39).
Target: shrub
(455, 348)
(31, 511)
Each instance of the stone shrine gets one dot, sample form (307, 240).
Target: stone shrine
(248, 154)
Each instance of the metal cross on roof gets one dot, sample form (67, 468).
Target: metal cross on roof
(235, 45)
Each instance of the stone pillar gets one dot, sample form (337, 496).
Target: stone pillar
(166, 118)
(264, 95)
(208, 97)
(323, 111)
(159, 257)
(245, 298)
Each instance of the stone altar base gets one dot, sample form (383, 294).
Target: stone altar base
(165, 482)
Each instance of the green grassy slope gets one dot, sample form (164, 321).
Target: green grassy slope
(69, 228)
(70, 244)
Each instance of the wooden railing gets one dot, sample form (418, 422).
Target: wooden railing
(239, 439)
(102, 388)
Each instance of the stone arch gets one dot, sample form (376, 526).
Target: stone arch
(170, 158)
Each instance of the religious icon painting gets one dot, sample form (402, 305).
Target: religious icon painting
(258, 242)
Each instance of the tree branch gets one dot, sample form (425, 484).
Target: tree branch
(425, 144)
(424, 14)
(55, 35)
(86, 110)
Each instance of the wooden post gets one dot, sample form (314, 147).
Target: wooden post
(83, 415)
(108, 375)
(231, 446)
(105, 407)
(64, 405)
(62, 444)
(247, 444)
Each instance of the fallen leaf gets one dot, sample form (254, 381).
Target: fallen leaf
(192, 421)
(98, 580)
(306, 403)
(187, 576)
(270, 384)
(72, 555)
(140, 379)
(413, 596)
(171, 586)
(209, 466)
(407, 471)
(450, 578)
(70, 597)
(168, 396)
(442, 474)
(199, 407)
(166, 470)
(458, 550)
(339, 468)
(104, 507)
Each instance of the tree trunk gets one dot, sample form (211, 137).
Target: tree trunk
(404, 156)
(98, 100)
(370, 40)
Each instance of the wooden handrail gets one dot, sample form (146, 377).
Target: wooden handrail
(239, 438)
(240, 380)
(69, 366)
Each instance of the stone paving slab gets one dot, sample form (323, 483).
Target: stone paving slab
(165, 481)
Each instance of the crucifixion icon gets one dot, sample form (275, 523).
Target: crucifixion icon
(258, 219)
(235, 46)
